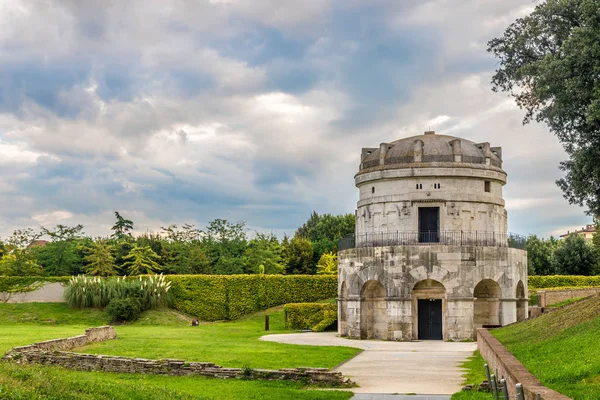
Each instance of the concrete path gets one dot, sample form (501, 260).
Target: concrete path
(400, 397)
(422, 367)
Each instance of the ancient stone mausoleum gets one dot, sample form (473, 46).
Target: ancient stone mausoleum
(431, 257)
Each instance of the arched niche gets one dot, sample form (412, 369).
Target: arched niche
(486, 307)
(373, 311)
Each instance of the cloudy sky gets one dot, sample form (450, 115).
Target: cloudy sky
(248, 110)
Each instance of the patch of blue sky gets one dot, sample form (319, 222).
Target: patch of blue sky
(260, 46)
(42, 84)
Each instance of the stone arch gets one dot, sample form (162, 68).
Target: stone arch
(373, 311)
(486, 304)
(521, 302)
(429, 309)
(343, 310)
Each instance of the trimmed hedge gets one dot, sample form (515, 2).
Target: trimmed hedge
(222, 297)
(555, 281)
(315, 316)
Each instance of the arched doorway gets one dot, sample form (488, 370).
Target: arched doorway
(428, 309)
(486, 307)
(373, 311)
(343, 310)
(521, 302)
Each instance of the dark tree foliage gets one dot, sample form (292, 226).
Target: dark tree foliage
(324, 232)
(575, 257)
(549, 61)
(225, 243)
(299, 256)
(539, 255)
(122, 227)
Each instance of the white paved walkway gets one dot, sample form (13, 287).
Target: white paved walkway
(422, 367)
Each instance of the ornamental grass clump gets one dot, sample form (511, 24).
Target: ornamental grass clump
(150, 291)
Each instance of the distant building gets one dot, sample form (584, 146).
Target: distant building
(586, 232)
(37, 243)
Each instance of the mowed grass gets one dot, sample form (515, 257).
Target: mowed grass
(474, 375)
(157, 334)
(230, 344)
(561, 348)
(36, 382)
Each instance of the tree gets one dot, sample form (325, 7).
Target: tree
(550, 64)
(20, 260)
(327, 264)
(539, 255)
(596, 242)
(299, 255)
(122, 227)
(263, 250)
(575, 257)
(225, 243)
(141, 260)
(324, 231)
(100, 259)
(60, 257)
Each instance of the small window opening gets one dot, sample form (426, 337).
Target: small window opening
(373, 189)
(420, 186)
(486, 186)
(435, 185)
(417, 186)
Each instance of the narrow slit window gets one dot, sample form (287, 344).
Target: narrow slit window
(373, 190)
(486, 186)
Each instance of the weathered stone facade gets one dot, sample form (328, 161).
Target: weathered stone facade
(431, 253)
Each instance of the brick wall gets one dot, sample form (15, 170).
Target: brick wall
(508, 367)
(548, 297)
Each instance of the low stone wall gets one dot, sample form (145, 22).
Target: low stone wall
(500, 360)
(548, 297)
(52, 352)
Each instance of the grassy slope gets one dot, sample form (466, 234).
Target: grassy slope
(233, 344)
(561, 348)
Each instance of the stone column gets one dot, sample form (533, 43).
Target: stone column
(508, 313)
(459, 321)
(353, 316)
(399, 311)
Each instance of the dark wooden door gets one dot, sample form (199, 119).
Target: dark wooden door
(429, 226)
(430, 319)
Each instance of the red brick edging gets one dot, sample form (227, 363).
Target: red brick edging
(502, 362)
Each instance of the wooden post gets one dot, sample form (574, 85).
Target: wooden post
(266, 322)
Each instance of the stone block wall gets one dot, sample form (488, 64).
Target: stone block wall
(506, 366)
(53, 352)
(548, 297)
(458, 270)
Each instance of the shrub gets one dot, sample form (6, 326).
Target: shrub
(552, 281)
(220, 297)
(315, 316)
(124, 309)
(150, 291)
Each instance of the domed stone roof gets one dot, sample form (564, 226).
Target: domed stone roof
(431, 147)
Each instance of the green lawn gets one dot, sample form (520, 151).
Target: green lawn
(474, 374)
(230, 344)
(561, 348)
(36, 382)
(158, 334)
